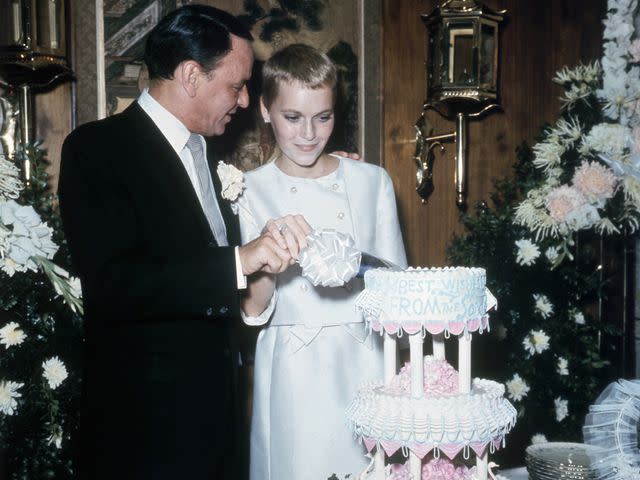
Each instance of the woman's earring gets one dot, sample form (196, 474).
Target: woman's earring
(266, 119)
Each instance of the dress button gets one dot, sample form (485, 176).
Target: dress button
(294, 190)
(209, 311)
(304, 287)
(223, 310)
(334, 186)
(340, 215)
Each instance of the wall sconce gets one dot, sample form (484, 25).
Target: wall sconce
(32, 53)
(462, 83)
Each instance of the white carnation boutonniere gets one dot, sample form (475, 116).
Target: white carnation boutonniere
(232, 181)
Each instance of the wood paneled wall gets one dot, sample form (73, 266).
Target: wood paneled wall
(538, 38)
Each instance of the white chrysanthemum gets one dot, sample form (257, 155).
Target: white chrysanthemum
(547, 154)
(570, 130)
(563, 366)
(517, 388)
(232, 181)
(562, 408)
(528, 345)
(8, 394)
(540, 340)
(54, 372)
(574, 93)
(536, 341)
(578, 317)
(538, 438)
(527, 252)
(582, 73)
(607, 138)
(614, 93)
(543, 305)
(10, 184)
(532, 214)
(579, 82)
(11, 335)
(552, 254)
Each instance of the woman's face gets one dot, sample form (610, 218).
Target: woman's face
(302, 122)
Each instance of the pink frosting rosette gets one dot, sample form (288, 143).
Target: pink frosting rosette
(443, 469)
(440, 378)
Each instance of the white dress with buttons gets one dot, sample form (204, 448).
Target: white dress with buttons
(315, 351)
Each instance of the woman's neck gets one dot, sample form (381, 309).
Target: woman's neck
(324, 165)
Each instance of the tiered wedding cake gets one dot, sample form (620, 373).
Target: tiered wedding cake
(431, 410)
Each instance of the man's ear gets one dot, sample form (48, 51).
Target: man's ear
(189, 73)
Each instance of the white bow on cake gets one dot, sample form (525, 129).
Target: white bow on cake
(331, 259)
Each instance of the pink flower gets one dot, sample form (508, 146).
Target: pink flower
(440, 378)
(564, 200)
(444, 469)
(399, 472)
(594, 180)
(634, 50)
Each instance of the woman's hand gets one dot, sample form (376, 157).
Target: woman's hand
(290, 232)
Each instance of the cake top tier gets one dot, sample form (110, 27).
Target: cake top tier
(451, 300)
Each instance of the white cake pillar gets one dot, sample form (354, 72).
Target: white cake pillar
(378, 465)
(482, 465)
(417, 391)
(415, 466)
(390, 370)
(438, 346)
(390, 353)
(464, 363)
(417, 364)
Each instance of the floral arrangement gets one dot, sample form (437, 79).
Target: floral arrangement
(579, 184)
(591, 165)
(40, 332)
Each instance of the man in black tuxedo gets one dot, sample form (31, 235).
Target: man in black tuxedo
(150, 241)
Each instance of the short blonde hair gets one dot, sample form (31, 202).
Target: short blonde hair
(297, 63)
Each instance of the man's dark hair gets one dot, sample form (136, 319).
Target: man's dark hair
(192, 32)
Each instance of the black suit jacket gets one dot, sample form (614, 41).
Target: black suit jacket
(161, 302)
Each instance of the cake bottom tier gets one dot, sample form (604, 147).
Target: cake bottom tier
(443, 423)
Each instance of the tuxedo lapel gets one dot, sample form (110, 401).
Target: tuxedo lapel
(166, 168)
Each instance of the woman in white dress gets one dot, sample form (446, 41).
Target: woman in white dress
(315, 350)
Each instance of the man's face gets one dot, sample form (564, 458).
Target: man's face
(221, 91)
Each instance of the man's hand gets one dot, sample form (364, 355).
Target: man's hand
(264, 255)
(342, 153)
